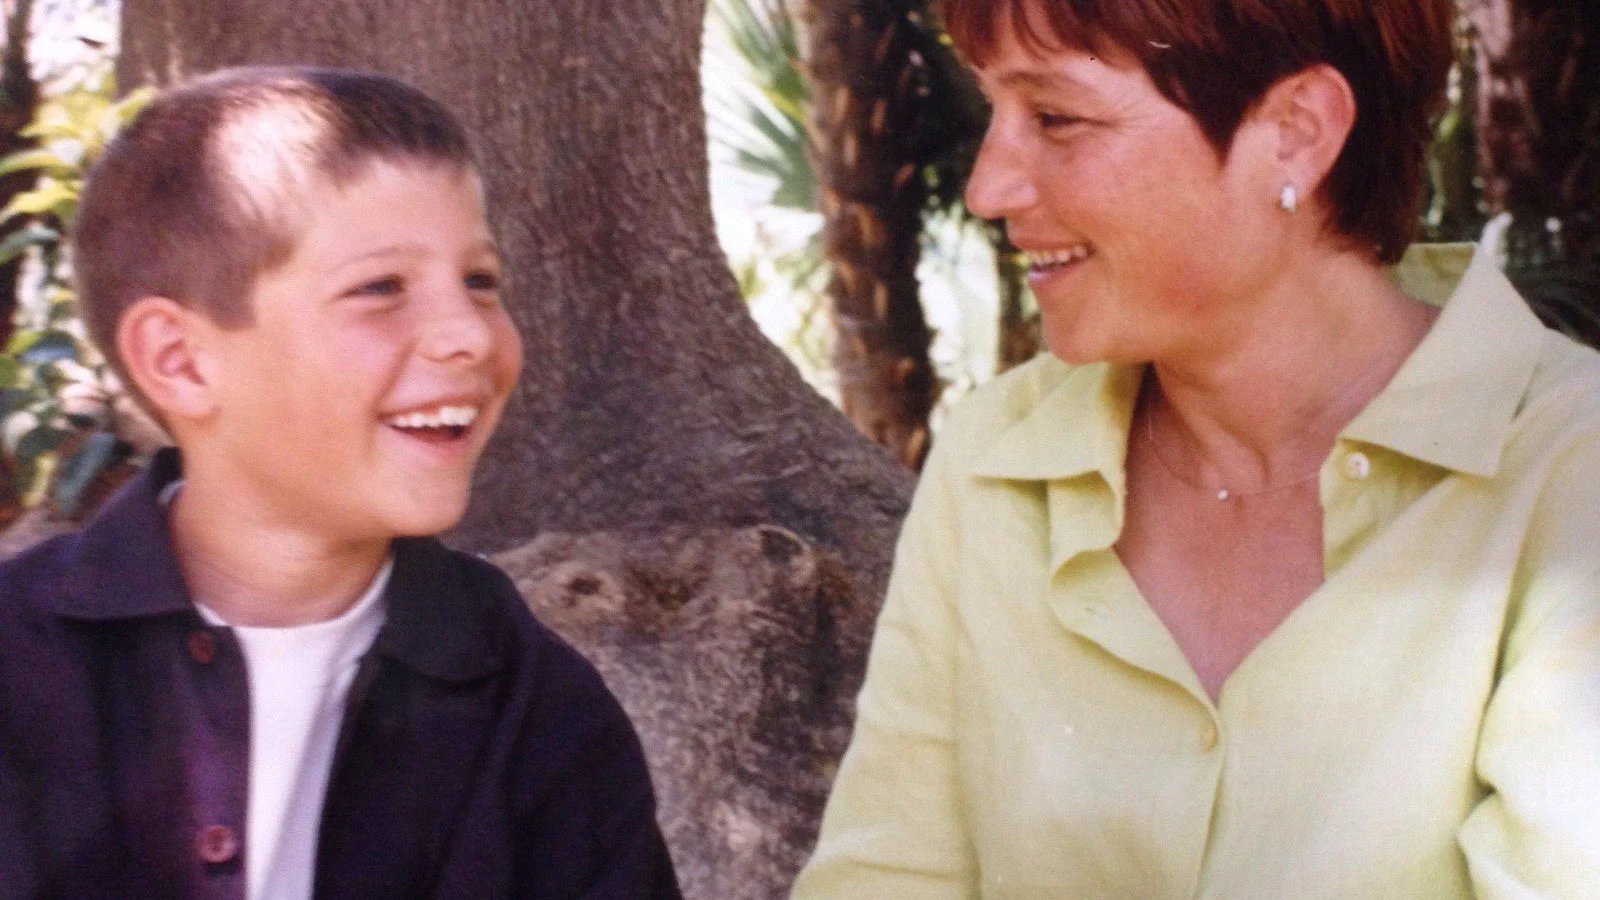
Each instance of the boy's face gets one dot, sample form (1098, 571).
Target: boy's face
(378, 361)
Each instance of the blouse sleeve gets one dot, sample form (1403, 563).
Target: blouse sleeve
(1537, 833)
(894, 826)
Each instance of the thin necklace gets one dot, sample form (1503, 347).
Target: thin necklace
(1222, 493)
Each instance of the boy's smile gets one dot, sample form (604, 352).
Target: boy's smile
(376, 366)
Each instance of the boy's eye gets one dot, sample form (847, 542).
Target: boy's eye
(485, 287)
(380, 287)
(482, 281)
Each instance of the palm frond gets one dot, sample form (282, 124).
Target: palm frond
(762, 121)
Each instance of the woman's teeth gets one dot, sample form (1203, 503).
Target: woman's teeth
(1044, 261)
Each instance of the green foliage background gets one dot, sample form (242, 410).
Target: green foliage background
(57, 395)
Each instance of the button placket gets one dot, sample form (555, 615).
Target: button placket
(217, 751)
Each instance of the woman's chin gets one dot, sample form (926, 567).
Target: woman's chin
(1075, 348)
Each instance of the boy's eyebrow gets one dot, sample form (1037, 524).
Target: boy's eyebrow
(487, 245)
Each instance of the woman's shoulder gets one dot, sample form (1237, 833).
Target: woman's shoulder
(1562, 402)
(1566, 369)
(1006, 401)
(1551, 458)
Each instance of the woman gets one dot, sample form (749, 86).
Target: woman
(1274, 579)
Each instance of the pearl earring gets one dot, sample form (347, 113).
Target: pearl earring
(1289, 199)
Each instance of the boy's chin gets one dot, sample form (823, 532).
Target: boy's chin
(422, 517)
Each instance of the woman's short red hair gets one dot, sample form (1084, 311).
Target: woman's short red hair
(1217, 58)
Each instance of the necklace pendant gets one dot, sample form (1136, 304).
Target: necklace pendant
(1223, 494)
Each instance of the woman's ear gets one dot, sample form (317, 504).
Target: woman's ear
(1310, 115)
(163, 346)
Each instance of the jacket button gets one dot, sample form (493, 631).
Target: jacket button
(216, 844)
(202, 647)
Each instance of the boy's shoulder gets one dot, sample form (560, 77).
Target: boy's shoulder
(453, 615)
(32, 578)
(456, 617)
(456, 613)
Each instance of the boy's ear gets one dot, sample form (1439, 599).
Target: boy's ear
(163, 346)
(1311, 114)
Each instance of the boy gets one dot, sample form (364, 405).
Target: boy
(258, 677)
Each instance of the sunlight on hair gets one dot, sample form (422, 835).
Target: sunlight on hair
(266, 156)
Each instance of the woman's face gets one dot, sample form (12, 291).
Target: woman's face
(1143, 244)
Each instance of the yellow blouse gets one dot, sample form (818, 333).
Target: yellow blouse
(1425, 725)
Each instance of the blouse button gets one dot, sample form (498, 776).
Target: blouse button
(1208, 738)
(216, 844)
(202, 647)
(1357, 466)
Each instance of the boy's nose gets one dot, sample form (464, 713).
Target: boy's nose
(459, 329)
(1000, 185)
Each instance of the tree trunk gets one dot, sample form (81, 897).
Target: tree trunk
(870, 96)
(1539, 147)
(656, 436)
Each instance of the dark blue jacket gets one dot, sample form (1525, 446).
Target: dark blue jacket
(480, 757)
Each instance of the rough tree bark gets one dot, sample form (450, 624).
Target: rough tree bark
(665, 488)
(870, 95)
(1538, 121)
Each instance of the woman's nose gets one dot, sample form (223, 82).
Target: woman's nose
(1001, 184)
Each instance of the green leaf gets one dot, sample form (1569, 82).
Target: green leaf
(22, 339)
(33, 159)
(50, 346)
(54, 130)
(13, 399)
(22, 239)
(10, 371)
(45, 198)
(39, 441)
(66, 210)
(78, 470)
(765, 124)
(132, 104)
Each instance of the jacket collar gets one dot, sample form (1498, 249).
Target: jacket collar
(122, 566)
(442, 622)
(1451, 404)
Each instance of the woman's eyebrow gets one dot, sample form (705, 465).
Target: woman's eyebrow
(1047, 81)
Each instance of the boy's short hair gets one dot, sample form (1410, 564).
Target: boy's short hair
(205, 189)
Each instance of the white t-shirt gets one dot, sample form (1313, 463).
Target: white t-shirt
(299, 679)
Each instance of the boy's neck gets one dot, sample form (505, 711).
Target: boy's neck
(254, 570)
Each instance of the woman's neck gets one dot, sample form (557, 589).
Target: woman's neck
(256, 570)
(1262, 405)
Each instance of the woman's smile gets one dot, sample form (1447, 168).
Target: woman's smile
(1044, 265)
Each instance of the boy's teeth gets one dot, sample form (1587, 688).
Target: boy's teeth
(443, 417)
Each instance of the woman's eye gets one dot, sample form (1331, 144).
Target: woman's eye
(1049, 121)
